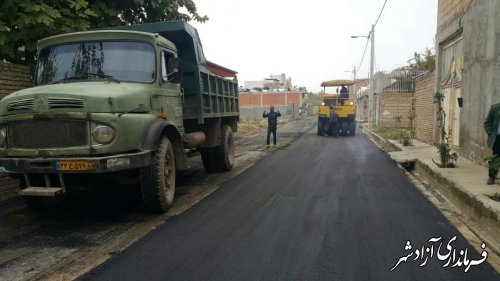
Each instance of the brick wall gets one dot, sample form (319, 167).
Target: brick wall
(449, 10)
(424, 107)
(12, 78)
(254, 99)
(392, 105)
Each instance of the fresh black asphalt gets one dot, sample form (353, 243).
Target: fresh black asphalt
(320, 209)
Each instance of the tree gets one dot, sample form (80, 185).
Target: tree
(313, 99)
(24, 22)
(425, 61)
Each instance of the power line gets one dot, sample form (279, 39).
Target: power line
(380, 13)
(370, 34)
(364, 52)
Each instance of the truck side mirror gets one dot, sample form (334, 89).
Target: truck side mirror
(174, 70)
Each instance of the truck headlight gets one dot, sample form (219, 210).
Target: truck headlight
(103, 134)
(3, 136)
(322, 103)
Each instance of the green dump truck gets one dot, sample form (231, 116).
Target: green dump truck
(127, 104)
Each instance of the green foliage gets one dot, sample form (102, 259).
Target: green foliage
(406, 141)
(313, 99)
(392, 134)
(24, 22)
(440, 115)
(446, 157)
(398, 119)
(493, 161)
(423, 61)
(412, 115)
(495, 196)
(143, 11)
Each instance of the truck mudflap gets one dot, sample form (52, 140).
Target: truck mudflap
(76, 165)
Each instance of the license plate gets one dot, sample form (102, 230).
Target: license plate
(75, 166)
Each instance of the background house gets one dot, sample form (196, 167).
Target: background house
(275, 83)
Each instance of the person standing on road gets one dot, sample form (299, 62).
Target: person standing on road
(272, 123)
(492, 128)
(333, 122)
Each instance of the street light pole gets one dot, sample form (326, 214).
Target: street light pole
(371, 112)
(354, 80)
(371, 92)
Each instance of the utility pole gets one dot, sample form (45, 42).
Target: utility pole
(354, 89)
(354, 79)
(371, 112)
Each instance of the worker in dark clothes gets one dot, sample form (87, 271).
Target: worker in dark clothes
(272, 123)
(333, 122)
(492, 128)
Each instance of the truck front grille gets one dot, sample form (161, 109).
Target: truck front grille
(47, 133)
(64, 103)
(26, 104)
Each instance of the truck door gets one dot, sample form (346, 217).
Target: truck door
(170, 98)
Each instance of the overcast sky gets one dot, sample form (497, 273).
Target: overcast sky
(310, 40)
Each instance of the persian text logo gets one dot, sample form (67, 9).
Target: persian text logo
(452, 256)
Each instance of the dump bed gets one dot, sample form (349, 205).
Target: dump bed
(210, 90)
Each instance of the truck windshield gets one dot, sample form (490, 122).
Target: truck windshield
(100, 60)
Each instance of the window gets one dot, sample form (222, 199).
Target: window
(90, 61)
(166, 69)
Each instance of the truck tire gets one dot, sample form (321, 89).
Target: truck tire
(224, 153)
(208, 159)
(158, 179)
(344, 127)
(321, 127)
(352, 128)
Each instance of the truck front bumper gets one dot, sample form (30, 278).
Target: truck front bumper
(76, 165)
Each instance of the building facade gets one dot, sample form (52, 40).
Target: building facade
(468, 64)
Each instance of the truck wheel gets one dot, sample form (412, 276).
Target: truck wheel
(344, 127)
(321, 127)
(158, 179)
(208, 159)
(224, 153)
(352, 128)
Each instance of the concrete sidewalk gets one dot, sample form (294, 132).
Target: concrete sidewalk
(464, 186)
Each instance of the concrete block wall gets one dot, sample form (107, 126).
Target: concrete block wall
(288, 112)
(392, 105)
(362, 108)
(480, 82)
(424, 107)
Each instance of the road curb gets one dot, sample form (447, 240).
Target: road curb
(481, 219)
(470, 206)
(387, 146)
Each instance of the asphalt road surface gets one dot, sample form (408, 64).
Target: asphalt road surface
(320, 209)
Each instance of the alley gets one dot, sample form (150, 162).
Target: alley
(319, 209)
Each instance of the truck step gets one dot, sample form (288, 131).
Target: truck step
(41, 191)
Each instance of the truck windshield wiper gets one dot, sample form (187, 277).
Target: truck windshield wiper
(87, 75)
